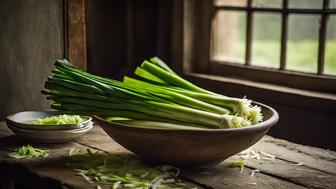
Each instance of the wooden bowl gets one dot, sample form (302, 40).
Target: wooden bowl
(189, 147)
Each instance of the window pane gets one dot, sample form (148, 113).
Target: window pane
(302, 46)
(330, 53)
(266, 40)
(332, 4)
(228, 41)
(239, 3)
(267, 3)
(306, 4)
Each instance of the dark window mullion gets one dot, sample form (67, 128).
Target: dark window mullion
(249, 30)
(322, 38)
(284, 31)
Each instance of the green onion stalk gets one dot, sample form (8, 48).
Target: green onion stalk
(241, 107)
(159, 97)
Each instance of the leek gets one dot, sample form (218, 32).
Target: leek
(159, 96)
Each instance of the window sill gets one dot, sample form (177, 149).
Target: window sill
(265, 92)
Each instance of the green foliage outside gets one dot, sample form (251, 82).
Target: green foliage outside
(302, 44)
(301, 55)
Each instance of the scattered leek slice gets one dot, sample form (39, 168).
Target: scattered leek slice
(255, 154)
(252, 183)
(239, 164)
(122, 172)
(254, 171)
(28, 151)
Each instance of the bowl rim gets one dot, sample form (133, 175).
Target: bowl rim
(9, 118)
(253, 128)
(69, 131)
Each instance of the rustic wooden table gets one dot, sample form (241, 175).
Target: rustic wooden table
(294, 166)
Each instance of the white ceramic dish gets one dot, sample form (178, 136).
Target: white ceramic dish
(23, 120)
(50, 136)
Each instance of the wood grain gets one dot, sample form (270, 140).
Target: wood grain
(49, 172)
(323, 83)
(31, 40)
(321, 160)
(317, 153)
(222, 177)
(317, 169)
(75, 33)
(177, 28)
(196, 35)
(98, 139)
(279, 173)
(219, 177)
(52, 171)
(295, 173)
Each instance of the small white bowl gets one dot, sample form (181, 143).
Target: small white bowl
(24, 120)
(46, 133)
(50, 136)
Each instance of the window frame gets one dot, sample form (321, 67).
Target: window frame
(197, 48)
(298, 108)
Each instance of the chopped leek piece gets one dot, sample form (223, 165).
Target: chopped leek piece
(123, 172)
(239, 164)
(25, 152)
(59, 120)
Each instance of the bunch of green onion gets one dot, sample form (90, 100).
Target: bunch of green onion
(157, 95)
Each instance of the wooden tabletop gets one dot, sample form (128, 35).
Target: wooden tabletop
(294, 166)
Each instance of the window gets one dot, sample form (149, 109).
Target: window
(286, 42)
